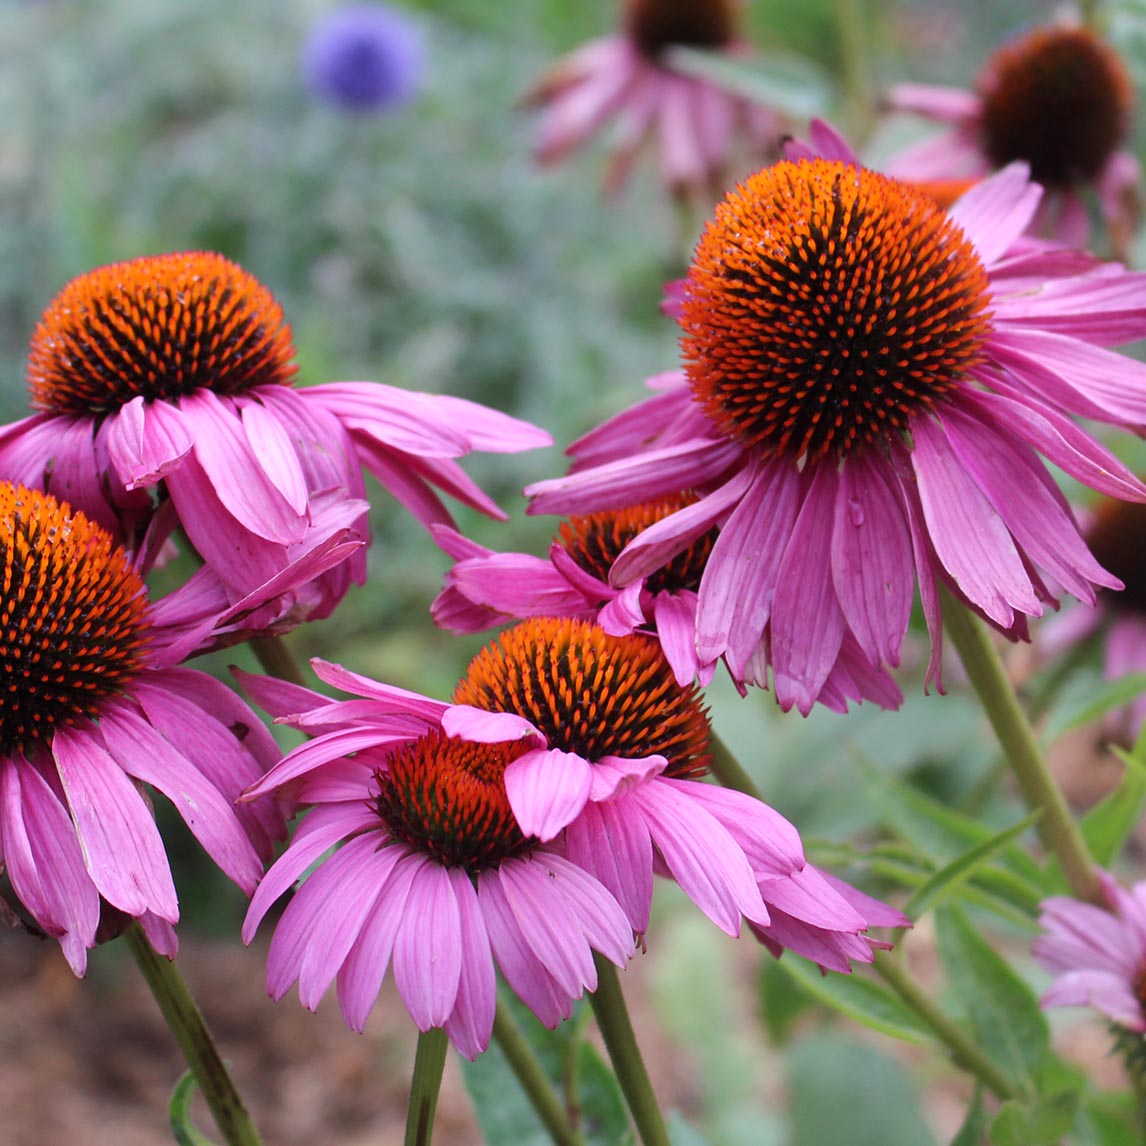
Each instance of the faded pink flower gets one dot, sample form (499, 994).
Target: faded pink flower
(1060, 99)
(95, 707)
(626, 77)
(868, 381)
(164, 386)
(1097, 955)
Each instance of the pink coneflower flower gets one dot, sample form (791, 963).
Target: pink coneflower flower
(867, 381)
(434, 875)
(171, 376)
(94, 707)
(484, 589)
(605, 751)
(626, 77)
(1058, 98)
(1115, 534)
(1098, 956)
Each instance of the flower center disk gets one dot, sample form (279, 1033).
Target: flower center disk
(596, 540)
(654, 25)
(72, 617)
(590, 693)
(1060, 99)
(1117, 538)
(447, 798)
(161, 327)
(827, 306)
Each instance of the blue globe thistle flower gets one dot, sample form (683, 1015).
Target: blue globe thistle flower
(364, 58)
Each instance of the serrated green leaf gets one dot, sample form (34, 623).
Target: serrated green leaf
(959, 870)
(1109, 823)
(1042, 1123)
(1093, 700)
(857, 997)
(179, 1114)
(792, 83)
(1003, 1011)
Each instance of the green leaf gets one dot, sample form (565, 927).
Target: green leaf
(846, 1091)
(1003, 1011)
(1043, 1123)
(974, 1125)
(959, 870)
(782, 1000)
(1109, 823)
(857, 997)
(1097, 700)
(792, 83)
(179, 1114)
(505, 1113)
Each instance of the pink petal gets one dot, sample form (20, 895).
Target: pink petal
(121, 845)
(872, 567)
(614, 776)
(273, 449)
(471, 1023)
(145, 441)
(547, 790)
(428, 948)
(807, 622)
(464, 722)
(970, 538)
(996, 211)
(946, 104)
(675, 617)
(402, 700)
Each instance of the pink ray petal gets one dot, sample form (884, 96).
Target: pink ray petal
(547, 790)
(428, 948)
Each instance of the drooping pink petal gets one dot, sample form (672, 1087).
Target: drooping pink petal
(360, 978)
(471, 1023)
(675, 617)
(970, 538)
(145, 441)
(121, 844)
(613, 776)
(148, 756)
(428, 948)
(739, 581)
(403, 700)
(872, 566)
(945, 104)
(547, 788)
(807, 622)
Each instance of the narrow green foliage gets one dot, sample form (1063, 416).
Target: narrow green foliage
(179, 1114)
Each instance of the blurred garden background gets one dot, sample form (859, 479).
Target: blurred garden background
(423, 248)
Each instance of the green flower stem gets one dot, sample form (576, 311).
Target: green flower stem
(534, 1082)
(728, 770)
(276, 659)
(850, 24)
(429, 1062)
(984, 667)
(620, 1041)
(190, 1030)
(963, 1050)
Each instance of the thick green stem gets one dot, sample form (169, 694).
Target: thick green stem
(850, 22)
(429, 1062)
(276, 659)
(190, 1030)
(984, 667)
(621, 1042)
(534, 1082)
(963, 1050)
(728, 770)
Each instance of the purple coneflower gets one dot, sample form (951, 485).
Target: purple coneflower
(626, 77)
(485, 588)
(1058, 98)
(165, 397)
(1097, 954)
(605, 754)
(95, 706)
(867, 381)
(364, 58)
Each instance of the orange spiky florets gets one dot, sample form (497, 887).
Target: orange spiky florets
(826, 305)
(73, 625)
(161, 327)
